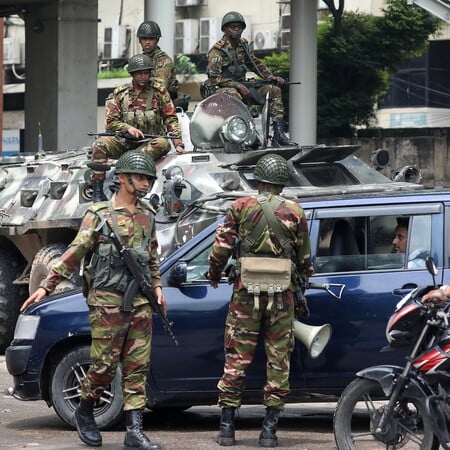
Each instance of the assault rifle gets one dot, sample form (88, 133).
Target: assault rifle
(126, 135)
(254, 84)
(139, 282)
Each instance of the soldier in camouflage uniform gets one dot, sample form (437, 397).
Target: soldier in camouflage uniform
(117, 336)
(140, 107)
(230, 59)
(245, 319)
(148, 34)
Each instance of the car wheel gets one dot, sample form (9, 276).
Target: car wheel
(44, 259)
(66, 386)
(11, 295)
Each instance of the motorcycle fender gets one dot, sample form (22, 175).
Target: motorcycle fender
(385, 376)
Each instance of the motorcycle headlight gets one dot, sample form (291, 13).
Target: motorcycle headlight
(235, 129)
(26, 327)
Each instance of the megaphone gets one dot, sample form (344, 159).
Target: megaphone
(314, 338)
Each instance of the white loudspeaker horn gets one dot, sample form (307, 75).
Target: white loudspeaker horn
(315, 339)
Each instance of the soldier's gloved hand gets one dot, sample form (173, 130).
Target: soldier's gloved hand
(244, 92)
(133, 133)
(301, 310)
(279, 81)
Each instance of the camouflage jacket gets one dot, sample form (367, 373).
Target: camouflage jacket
(164, 69)
(132, 229)
(239, 222)
(124, 106)
(222, 57)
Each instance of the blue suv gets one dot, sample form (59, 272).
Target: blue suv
(351, 237)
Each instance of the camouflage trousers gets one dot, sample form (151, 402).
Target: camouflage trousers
(242, 328)
(106, 147)
(276, 108)
(123, 337)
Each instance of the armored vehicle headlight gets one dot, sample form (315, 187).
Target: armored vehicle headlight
(235, 129)
(174, 173)
(26, 327)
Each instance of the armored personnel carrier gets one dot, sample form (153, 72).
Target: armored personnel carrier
(43, 196)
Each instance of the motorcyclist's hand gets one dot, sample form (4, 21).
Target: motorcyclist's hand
(279, 81)
(135, 132)
(35, 297)
(435, 294)
(244, 92)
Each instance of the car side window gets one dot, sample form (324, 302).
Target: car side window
(198, 266)
(350, 244)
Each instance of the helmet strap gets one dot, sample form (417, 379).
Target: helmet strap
(136, 193)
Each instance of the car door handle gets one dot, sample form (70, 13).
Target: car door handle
(404, 290)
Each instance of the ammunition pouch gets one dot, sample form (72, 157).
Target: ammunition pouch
(266, 275)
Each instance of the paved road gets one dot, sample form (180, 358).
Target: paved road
(32, 425)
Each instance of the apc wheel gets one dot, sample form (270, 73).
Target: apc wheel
(65, 389)
(11, 295)
(44, 259)
(358, 412)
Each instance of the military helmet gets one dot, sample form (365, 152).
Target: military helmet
(233, 16)
(139, 62)
(148, 29)
(135, 161)
(272, 169)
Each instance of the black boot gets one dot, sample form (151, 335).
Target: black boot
(279, 136)
(85, 423)
(135, 437)
(98, 194)
(268, 437)
(226, 433)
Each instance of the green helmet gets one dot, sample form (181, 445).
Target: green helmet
(272, 169)
(233, 16)
(135, 161)
(139, 62)
(148, 29)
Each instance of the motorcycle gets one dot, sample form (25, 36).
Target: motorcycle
(395, 407)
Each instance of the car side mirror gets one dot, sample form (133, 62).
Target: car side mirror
(178, 274)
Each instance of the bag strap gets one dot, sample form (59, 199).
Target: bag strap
(271, 220)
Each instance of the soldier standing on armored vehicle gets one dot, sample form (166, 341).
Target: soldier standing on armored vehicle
(230, 59)
(271, 234)
(137, 108)
(119, 335)
(149, 34)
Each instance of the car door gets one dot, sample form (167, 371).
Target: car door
(353, 245)
(198, 312)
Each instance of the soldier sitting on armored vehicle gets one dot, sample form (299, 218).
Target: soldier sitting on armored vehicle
(132, 110)
(228, 63)
(148, 34)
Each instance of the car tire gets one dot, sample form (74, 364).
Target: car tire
(44, 259)
(11, 295)
(65, 389)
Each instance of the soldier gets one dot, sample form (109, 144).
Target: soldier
(249, 229)
(149, 34)
(117, 336)
(140, 107)
(230, 59)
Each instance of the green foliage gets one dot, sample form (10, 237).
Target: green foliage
(113, 73)
(355, 60)
(184, 65)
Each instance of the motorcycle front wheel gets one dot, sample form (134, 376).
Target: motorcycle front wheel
(359, 410)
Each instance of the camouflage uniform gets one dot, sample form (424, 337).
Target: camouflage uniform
(164, 69)
(226, 67)
(117, 336)
(243, 321)
(151, 111)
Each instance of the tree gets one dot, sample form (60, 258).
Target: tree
(357, 53)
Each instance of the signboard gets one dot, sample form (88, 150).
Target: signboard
(11, 142)
(408, 120)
